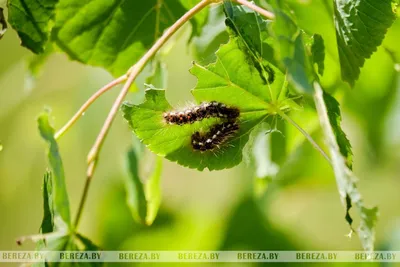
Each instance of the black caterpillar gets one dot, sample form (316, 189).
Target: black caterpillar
(205, 110)
(217, 135)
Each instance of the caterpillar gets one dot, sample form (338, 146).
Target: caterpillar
(205, 110)
(217, 135)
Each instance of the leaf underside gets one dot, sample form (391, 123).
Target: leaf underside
(31, 20)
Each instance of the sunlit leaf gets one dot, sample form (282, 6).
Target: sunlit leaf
(143, 193)
(345, 179)
(153, 192)
(135, 191)
(110, 33)
(60, 202)
(217, 82)
(361, 26)
(251, 31)
(335, 119)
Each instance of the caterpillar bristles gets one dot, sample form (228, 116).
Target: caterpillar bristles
(205, 110)
(215, 138)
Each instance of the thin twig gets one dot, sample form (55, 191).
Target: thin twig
(89, 176)
(133, 73)
(265, 13)
(87, 104)
(306, 135)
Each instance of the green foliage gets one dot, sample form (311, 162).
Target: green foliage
(346, 181)
(318, 53)
(32, 20)
(216, 82)
(111, 34)
(258, 70)
(153, 192)
(48, 215)
(61, 202)
(58, 234)
(289, 49)
(252, 31)
(143, 198)
(335, 119)
(360, 28)
(257, 92)
(135, 192)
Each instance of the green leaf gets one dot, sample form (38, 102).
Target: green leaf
(3, 23)
(216, 82)
(135, 192)
(32, 21)
(54, 236)
(360, 26)
(153, 192)
(48, 212)
(143, 198)
(54, 232)
(318, 52)
(250, 27)
(345, 179)
(335, 119)
(47, 225)
(289, 49)
(112, 34)
(59, 193)
(88, 244)
(251, 32)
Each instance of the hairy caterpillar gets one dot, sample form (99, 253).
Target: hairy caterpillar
(205, 110)
(217, 135)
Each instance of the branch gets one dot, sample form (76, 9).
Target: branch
(87, 104)
(132, 74)
(265, 13)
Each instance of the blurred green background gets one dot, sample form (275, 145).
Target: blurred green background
(300, 209)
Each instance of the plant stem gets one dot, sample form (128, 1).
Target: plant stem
(132, 74)
(89, 176)
(265, 13)
(87, 104)
(306, 135)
